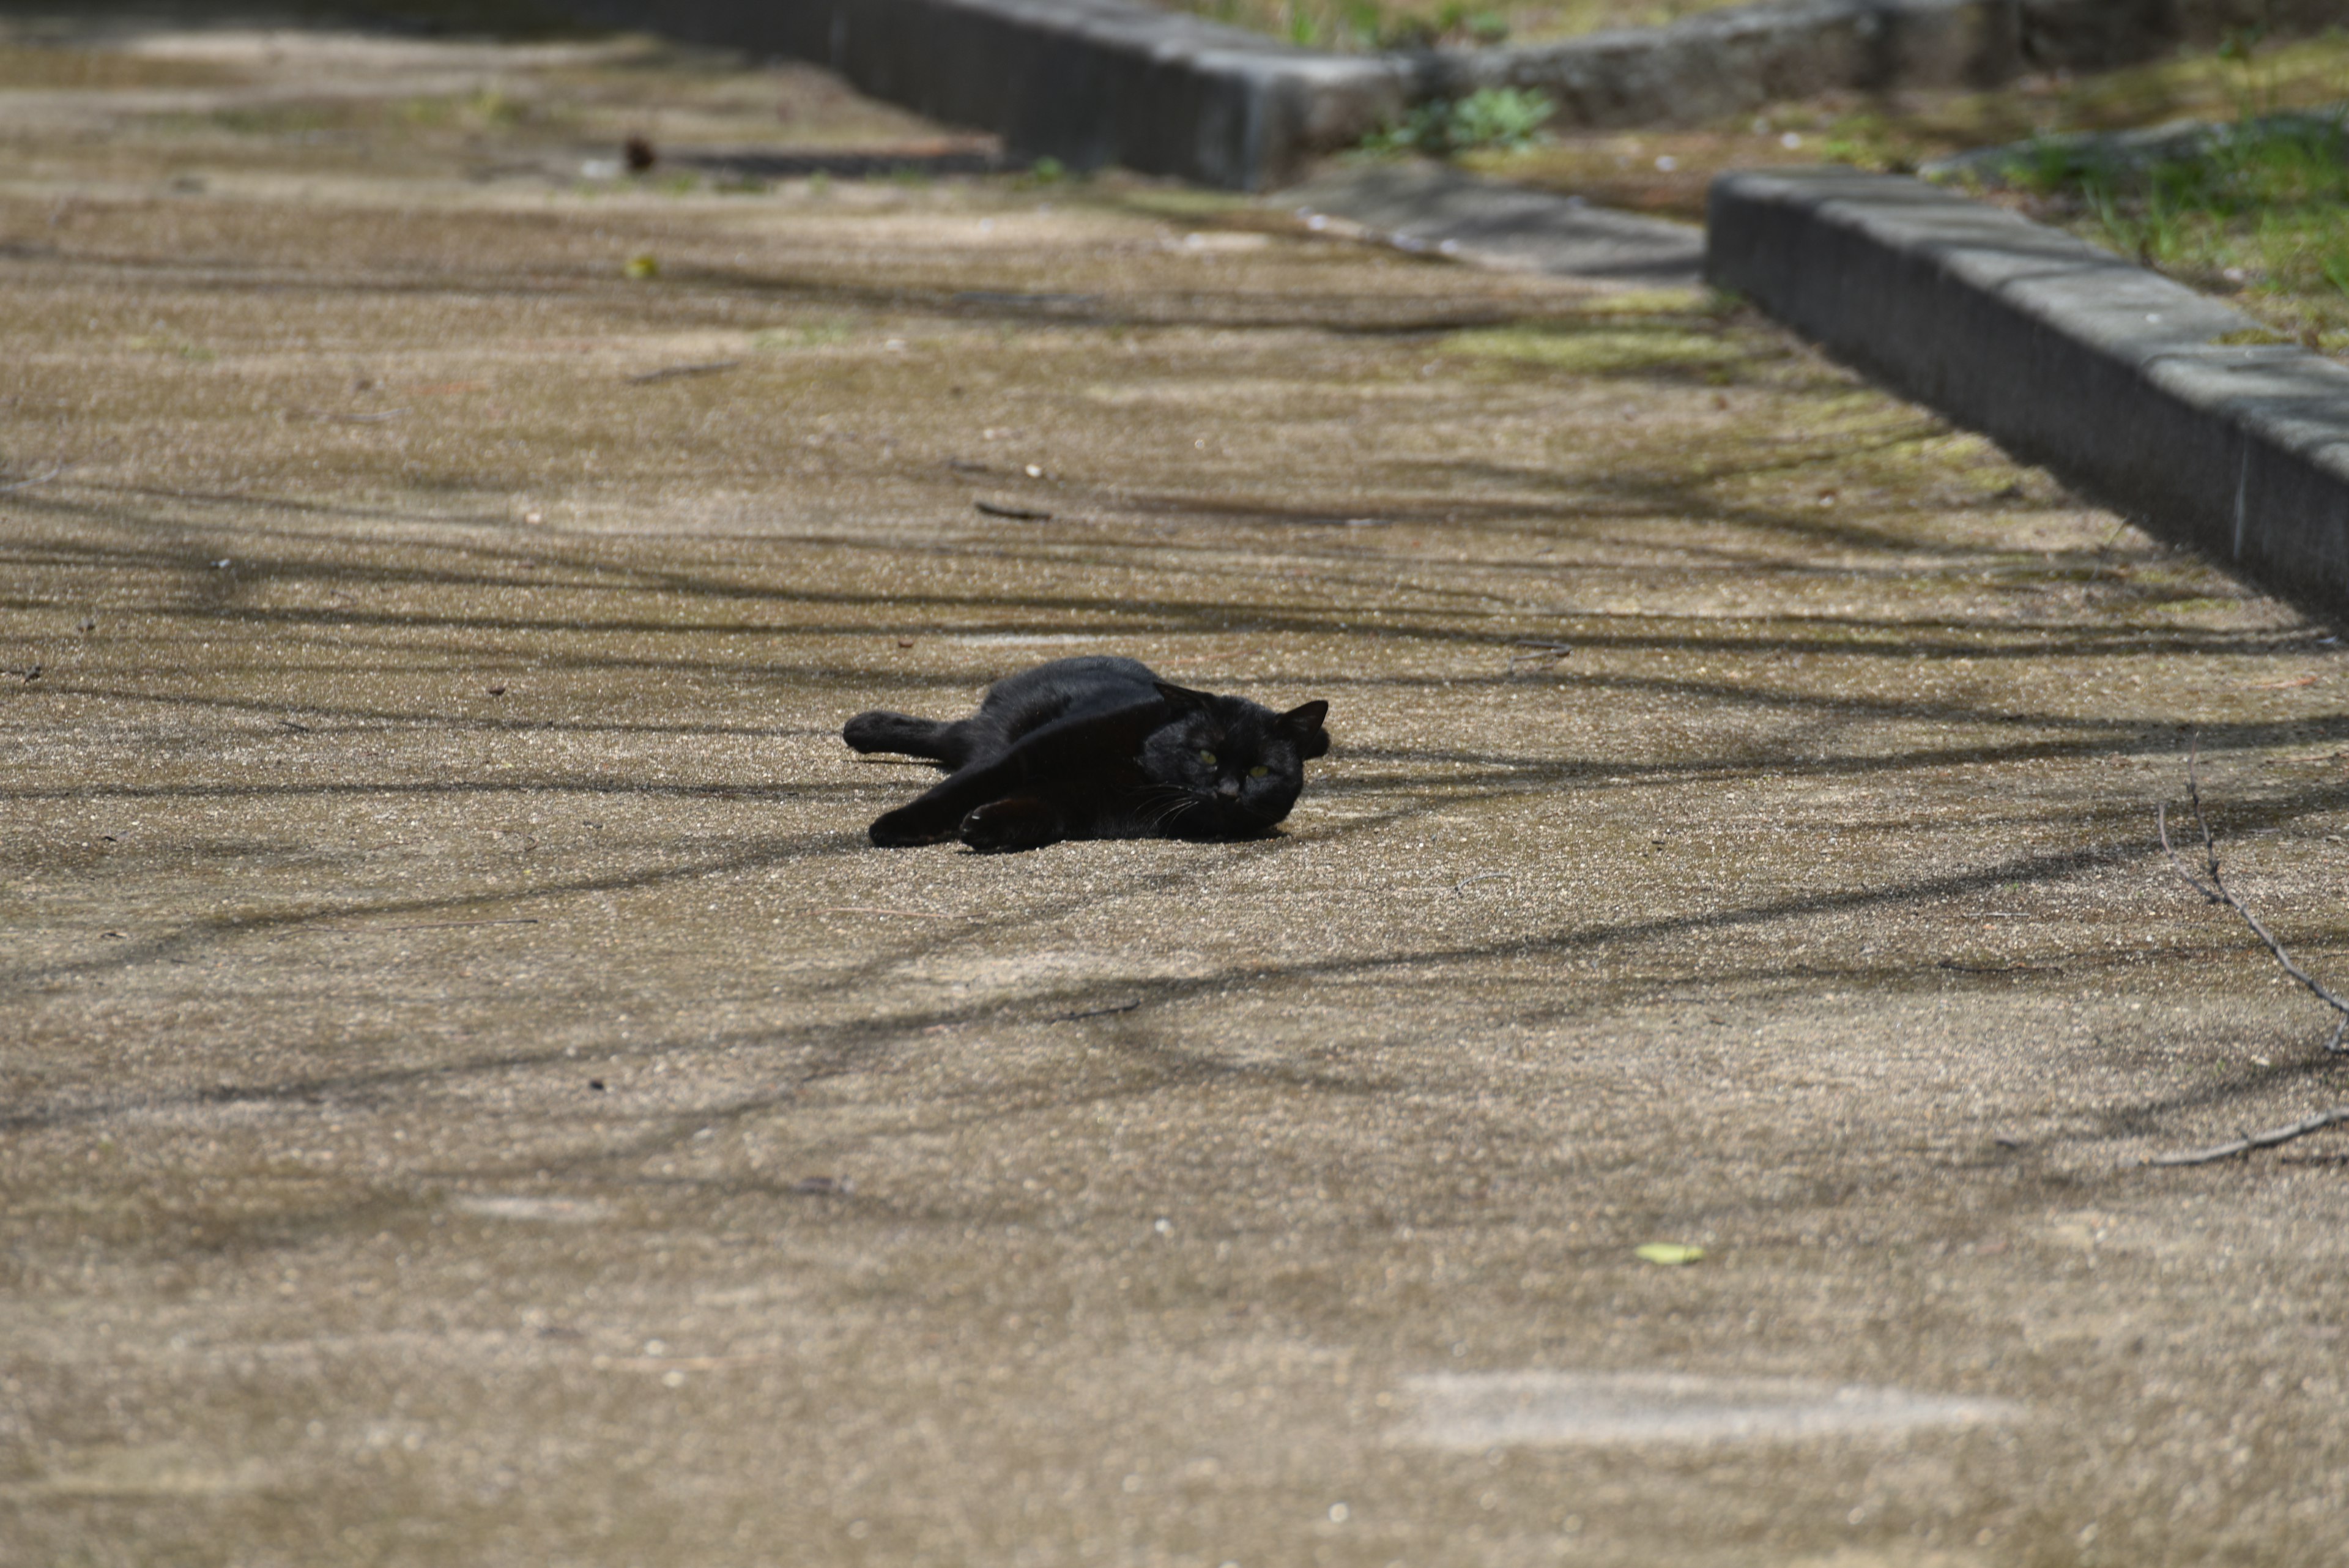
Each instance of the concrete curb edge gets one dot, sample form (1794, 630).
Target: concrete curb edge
(1094, 82)
(2122, 382)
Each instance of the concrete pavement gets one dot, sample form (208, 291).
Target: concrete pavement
(471, 1094)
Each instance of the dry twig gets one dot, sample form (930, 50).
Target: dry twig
(1095, 1012)
(879, 910)
(2215, 892)
(1535, 653)
(2267, 1139)
(672, 372)
(37, 479)
(2213, 888)
(425, 926)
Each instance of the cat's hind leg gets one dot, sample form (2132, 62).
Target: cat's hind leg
(901, 732)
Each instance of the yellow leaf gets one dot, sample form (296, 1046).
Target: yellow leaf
(643, 267)
(1669, 1254)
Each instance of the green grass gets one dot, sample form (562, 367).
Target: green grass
(2258, 209)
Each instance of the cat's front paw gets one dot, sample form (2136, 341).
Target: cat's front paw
(1002, 826)
(902, 829)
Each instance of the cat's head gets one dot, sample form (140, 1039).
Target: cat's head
(1234, 766)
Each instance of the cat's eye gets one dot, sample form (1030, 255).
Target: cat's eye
(1259, 771)
(1208, 758)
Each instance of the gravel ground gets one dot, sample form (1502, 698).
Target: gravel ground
(468, 1094)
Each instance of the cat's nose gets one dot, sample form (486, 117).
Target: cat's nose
(1230, 787)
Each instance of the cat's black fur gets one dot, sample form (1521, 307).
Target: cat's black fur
(1097, 748)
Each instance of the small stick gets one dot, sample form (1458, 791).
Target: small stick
(874, 909)
(1018, 513)
(671, 373)
(1095, 1012)
(427, 925)
(37, 479)
(1532, 650)
(1481, 877)
(2267, 1139)
(2215, 892)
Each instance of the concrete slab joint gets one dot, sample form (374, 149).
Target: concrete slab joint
(2133, 388)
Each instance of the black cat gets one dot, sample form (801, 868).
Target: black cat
(1097, 748)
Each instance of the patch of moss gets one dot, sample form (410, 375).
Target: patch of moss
(1357, 26)
(1615, 348)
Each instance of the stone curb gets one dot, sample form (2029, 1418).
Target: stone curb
(1089, 82)
(1094, 82)
(2114, 378)
(1728, 62)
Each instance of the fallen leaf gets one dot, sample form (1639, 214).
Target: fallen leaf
(1668, 1254)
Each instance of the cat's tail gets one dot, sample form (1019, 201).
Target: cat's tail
(901, 732)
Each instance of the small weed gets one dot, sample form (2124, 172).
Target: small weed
(1868, 140)
(497, 110)
(1506, 119)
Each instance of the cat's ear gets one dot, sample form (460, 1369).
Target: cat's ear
(1182, 699)
(1303, 725)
